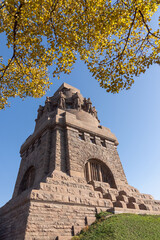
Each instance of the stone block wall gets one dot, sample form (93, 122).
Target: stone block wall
(13, 218)
(63, 205)
(80, 151)
(37, 154)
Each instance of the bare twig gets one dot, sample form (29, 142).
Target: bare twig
(142, 42)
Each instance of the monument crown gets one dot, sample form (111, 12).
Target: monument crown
(70, 170)
(69, 99)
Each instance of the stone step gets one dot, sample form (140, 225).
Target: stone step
(119, 204)
(69, 198)
(123, 198)
(69, 183)
(118, 210)
(70, 190)
(110, 196)
(132, 205)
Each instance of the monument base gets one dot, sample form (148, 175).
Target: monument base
(62, 205)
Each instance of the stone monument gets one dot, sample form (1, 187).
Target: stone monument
(70, 170)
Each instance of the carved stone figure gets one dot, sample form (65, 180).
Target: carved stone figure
(40, 111)
(61, 101)
(89, 105)
(77, 101)
(48, 105)
(84, 104)
(94, 112)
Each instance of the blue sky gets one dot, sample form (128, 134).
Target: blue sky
(133, 115)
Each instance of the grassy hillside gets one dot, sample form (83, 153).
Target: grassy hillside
(122, 227)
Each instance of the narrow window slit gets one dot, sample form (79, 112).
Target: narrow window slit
(92, 139)
(81, 136)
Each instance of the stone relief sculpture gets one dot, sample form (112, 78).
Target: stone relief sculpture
(61, 101)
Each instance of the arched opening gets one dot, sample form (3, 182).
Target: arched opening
(98, 171)
(27, 180)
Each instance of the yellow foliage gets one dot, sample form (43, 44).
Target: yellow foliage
(113, 38)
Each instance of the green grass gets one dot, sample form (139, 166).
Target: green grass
(122, 227)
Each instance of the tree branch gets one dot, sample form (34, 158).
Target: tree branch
(129, 33)
(147, 27)
(17, 14)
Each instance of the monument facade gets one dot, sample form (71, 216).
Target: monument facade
(70, 170)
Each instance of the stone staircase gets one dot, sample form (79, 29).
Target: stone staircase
(81, 201)
(62, 205)
(130, 199)
(69, 201)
